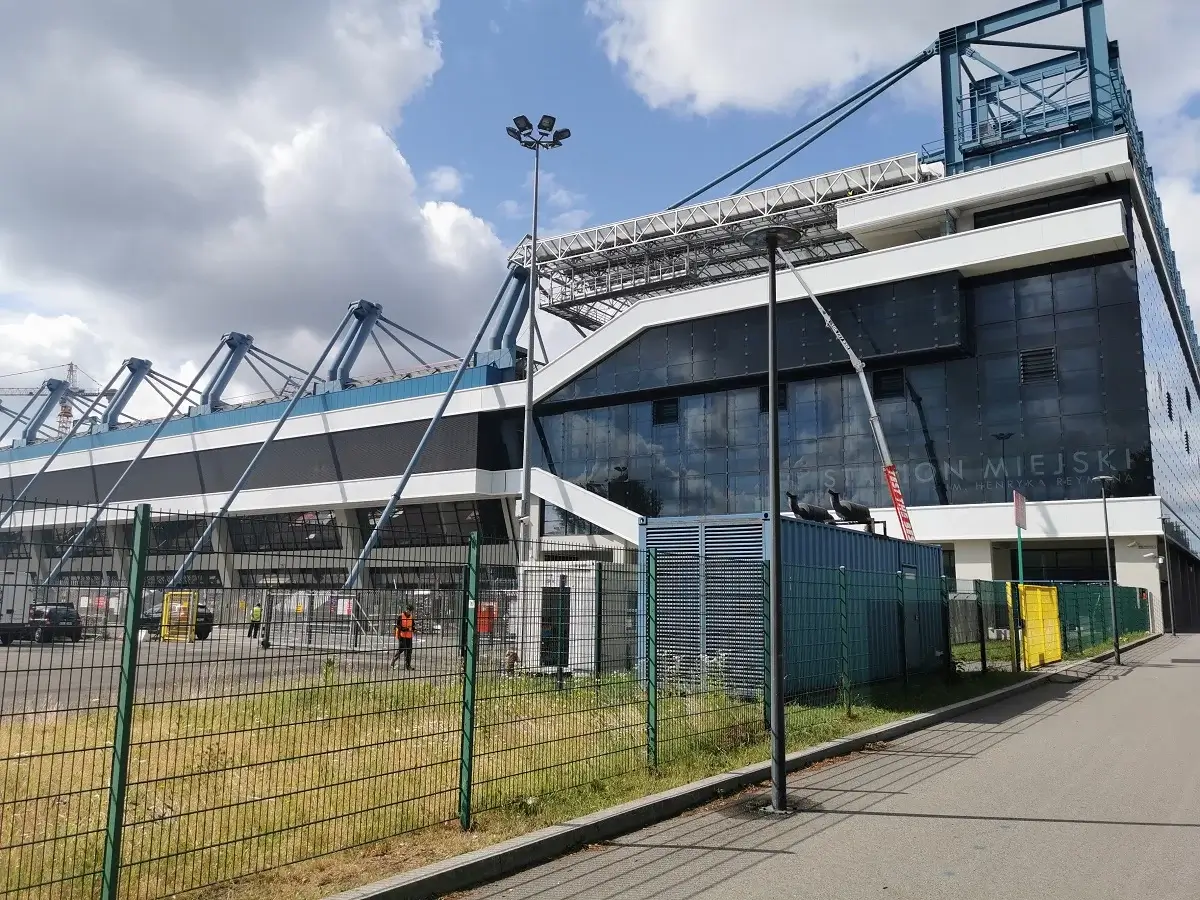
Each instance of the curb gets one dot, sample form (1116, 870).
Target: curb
(488, 864)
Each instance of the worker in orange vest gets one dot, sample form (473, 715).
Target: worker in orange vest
(404, 637)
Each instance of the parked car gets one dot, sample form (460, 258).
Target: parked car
(46, 622)
(151, 620)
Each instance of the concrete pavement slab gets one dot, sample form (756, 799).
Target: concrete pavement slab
(1088, 787)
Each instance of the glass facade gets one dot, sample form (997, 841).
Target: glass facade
(1174, 419)
(438, 524)
(1044, 392)
(922, 316)
(287, 531)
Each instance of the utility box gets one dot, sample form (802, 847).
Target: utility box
(712, 602)
(575, 618)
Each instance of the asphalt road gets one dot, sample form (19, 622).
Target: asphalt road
(64, 676)
(1089, 789)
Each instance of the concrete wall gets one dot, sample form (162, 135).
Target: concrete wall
(1136, 569)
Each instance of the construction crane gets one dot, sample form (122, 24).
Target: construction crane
(66, 409)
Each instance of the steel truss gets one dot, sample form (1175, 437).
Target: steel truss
(588, 277)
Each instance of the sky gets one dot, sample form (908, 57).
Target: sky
(171, 171)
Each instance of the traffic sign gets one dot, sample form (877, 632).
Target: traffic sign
(1019, 509)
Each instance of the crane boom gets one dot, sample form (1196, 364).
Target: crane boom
(889, 469)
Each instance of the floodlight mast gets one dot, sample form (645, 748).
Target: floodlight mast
(546, 137)
(873, 413)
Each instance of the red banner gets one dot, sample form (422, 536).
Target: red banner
(893, 482)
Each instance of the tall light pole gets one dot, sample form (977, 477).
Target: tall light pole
(1106, 482)
(772, 238)
(544, 137)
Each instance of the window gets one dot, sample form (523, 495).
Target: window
(764, 406)
(1187, 442)
(1170, 408)
(1187, 398)
(666, 412)
(286, 531)
(888, 384)
(1038, 365)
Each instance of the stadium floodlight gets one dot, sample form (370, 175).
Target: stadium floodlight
(546, 139)
(1106, 483)
(770, 239)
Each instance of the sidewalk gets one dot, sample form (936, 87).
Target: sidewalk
(1088, 789)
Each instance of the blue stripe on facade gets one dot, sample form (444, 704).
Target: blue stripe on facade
(425, 385)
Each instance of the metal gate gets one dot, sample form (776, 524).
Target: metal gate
(709, 604)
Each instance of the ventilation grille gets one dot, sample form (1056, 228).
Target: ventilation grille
(1038, 365)
(666, 412)
(888, 384)
(764, 398)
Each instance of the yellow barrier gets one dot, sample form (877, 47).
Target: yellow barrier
(1041, 636)
(179, 615)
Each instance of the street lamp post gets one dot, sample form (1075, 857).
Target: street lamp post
(1106, 482)
(544, 137)
(772, 238)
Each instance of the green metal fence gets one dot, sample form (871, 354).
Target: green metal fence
(981, 627)
(161, 735)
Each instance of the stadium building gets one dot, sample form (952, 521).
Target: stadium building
(1011, 290)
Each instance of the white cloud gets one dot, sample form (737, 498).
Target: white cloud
(511, 209)
(176, 171)
(771, 55)
(445, 181)
(707, 56)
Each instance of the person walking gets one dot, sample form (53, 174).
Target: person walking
(255, 620)
(404, 637)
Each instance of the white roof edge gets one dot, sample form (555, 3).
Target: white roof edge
(980, 187)
(1061, 235)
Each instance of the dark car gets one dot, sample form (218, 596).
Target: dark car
(151, 620)
(46, 622)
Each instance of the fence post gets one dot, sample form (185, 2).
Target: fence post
(652, 658)
(766, 627)
(123, 730)
(470, 645)
(599, 646)
(901, 628)
(1014, 590)
(947, 644)
(844, 627)
(982, 626)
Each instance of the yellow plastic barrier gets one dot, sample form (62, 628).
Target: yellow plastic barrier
(179, 615)
(1041, 637)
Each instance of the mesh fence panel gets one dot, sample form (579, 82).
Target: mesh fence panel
(276, 717)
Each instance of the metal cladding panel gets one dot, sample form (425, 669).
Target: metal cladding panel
(384, 451)
(710, 570)
(63, 486)
(875, 595)
(677, 600)
(832, 547)
(303, 460)
(154, 476)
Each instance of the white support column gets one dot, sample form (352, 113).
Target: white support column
(973, 561)
(352, 543)
(222, 547)
(39, 562)
(1136, 562)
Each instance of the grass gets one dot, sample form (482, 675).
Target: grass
(302, 791)
(1000, 652)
